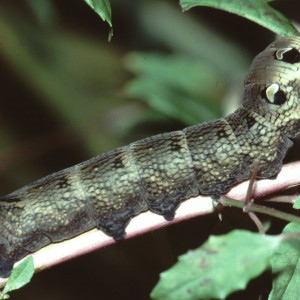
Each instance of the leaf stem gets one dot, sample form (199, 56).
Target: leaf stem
(261, 209)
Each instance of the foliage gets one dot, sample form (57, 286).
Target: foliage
(255, 10)
(158, 84)
(219, 267)
(103, 9)
(226, 264)
(285, 265)
(20, 276)
(223, 264)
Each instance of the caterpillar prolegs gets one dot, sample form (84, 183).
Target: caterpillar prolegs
(159, 172)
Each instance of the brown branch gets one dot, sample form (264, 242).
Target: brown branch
(59, 252)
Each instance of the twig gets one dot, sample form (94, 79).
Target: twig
(57, 253)
(262, 209)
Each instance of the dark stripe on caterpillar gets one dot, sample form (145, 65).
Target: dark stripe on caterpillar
(160, 172)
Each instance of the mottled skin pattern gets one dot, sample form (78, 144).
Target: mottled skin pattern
(159, 172)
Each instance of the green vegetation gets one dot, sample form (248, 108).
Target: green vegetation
(95, 94)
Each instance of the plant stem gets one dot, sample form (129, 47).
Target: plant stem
(261, 209)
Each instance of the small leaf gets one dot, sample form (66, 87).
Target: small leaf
(103, 9)
(297, 203)
(21, 275)
(221, 266)
(257, 11)
(286, 267)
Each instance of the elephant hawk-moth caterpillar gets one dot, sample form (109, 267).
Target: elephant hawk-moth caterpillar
(159, 172)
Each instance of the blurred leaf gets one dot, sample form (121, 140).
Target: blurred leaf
(257, 11)
(103, 9)
(286, 264)
(44, 11)
(222, 265)
(67, 72)
(21, 275)
(202, 41)
(179, 87)
(286, 267)
(297, 203)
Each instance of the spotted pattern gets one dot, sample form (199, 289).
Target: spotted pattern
(159, 172)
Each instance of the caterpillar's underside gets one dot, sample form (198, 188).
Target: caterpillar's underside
(159, 172)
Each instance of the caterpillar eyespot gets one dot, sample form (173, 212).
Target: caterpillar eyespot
(160, 172)
(274, 94)
(288, 55)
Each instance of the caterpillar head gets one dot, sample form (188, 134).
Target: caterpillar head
(272, 86)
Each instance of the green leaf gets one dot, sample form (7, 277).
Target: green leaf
(21, 275)
(103, 9)
(258, 11)
(178, 87)
(221, 266)
(286, 267)
(297, 203)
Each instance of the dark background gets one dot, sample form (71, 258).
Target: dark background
(64, 100)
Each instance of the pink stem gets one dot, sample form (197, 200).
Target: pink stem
(59, 252)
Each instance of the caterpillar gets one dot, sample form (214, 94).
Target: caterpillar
(159, 172)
